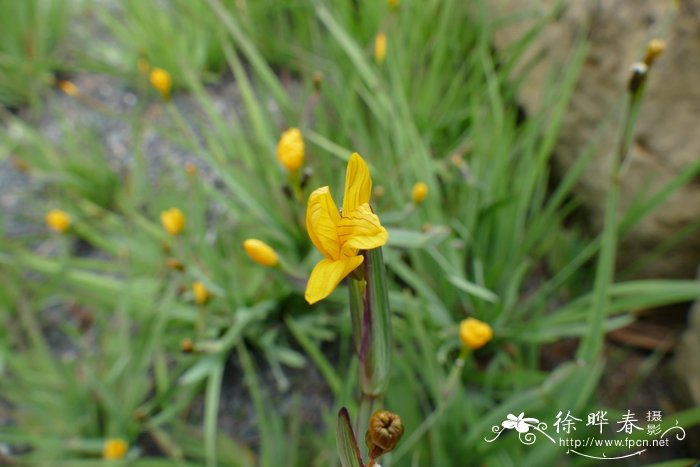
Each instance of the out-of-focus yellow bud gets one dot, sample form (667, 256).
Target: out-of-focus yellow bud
(143, 65)
(58, 220)
(380, 47)
(393, 3)
(191, 169)
(114, 449)
(173, 221)
(174, 264)
(68, 87)
(419, 192)
(186, 345)
(474, 333)
(260, 252)
(290, 149)
(200, 292)
(654, 49)
(161, 80)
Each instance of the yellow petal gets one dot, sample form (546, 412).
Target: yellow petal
(321, 220)
(327, 275)
(358, 184)
(360, 229)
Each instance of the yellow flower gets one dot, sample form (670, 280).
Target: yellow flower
(380, 47)
(339, 237)
(161, 80)
(290, 149)
(200, 292)
(260, 252)
(393, 3)
(419, 192)
(173, 221)
(58, 220)
(114, 449)
(474, 333)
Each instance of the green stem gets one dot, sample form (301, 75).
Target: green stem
(592, 343)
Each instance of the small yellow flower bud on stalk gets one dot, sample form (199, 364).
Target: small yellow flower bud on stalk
(191, 169)
(654, 49)
(186, 345)
(58, 220)
(174, 264)
(290, 149)
(161, 80)
(200, 292)
(114, 449)
(383, 434)
(173, 221)
(474, 333)
(260, 252)
(393, 3)
(143, 65)
(419, 192)
(380, 47)
(68, 87)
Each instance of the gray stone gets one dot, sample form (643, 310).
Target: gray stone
(666, 140)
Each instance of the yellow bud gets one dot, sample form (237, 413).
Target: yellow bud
(161, 80)
(114, 449)
(380, 47)
(174, 264)
(200, 292)
(191, 169)
(290, 149)
(68, 87)
(474, 333)
(173, 221)
(393, 3)
(143, 65)
(260, 252)
(58, 220)
(419, 192)
(654, 49)
(186, 345)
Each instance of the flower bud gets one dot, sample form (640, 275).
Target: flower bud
(393, 3)
(290, 149)
(174, 264)
(474, 333)
(173, 221)
(384, 432)
(186, 345)
(114, 449)
(161, 80)
(260, 252)
(68, 87)
(380, 47)
(654, 49)
(200, 292)
(58, 220)
(419, 192)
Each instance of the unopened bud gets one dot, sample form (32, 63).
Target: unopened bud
(384, 432)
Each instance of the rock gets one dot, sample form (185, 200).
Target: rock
(665, 142)
(687, 365)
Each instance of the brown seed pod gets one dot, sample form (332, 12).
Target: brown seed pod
(384, 432)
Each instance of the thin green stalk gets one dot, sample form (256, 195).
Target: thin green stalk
(592, 343)
(211, 413)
